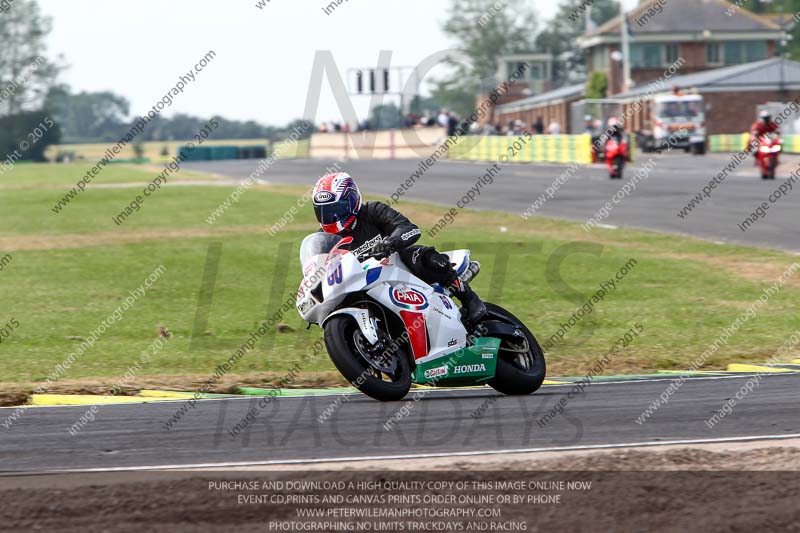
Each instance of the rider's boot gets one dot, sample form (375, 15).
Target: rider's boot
(473, 309)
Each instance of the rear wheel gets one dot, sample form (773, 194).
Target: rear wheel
(773, 163)
(619, 163)
(383, 373)
(699, 148)
(521, 366)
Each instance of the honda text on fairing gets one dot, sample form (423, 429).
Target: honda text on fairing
(385, 328)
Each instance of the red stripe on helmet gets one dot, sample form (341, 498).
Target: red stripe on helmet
(325, 183)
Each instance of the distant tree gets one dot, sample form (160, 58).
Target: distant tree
(25, 136)
(297, 124)
(788, 8)
(85, 116)
(596, 85)
(455, 97)
(386, 116)
(561, 32)
(483, 30)
(25, 74)
(138, 150)
(420, 105)
(486, 29)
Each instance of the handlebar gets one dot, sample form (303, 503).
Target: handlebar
(369, 255)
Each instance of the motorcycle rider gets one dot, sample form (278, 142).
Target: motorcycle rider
(588, 124)
(761, 127)
(377, 228)
(615, 129)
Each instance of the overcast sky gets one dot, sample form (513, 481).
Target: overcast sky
(264, 56)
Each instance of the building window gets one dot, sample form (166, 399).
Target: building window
(755, 51)
(672, 53)
(600, 58)
(647, 55)
(713, 54)
(517, 66)
(737, 52)
(734, 53)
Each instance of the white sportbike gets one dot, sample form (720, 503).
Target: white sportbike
(386, 329)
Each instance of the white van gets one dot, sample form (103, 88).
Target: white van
(670, 114)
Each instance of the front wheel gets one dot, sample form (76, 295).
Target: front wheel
(521, 367)
(773, 163)
(383, 374)
(619, 163)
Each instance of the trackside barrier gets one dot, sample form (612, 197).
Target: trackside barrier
(411, 143)
(296, 150)
(540, 148)
(220, 153)
(737, 142)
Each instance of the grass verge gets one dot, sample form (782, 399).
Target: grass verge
(69, 271)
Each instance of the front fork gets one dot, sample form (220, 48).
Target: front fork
(366, 322)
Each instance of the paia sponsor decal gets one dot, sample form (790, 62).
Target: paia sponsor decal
(408, 298)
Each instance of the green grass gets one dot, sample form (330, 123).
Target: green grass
(64, 176)
(69, 271)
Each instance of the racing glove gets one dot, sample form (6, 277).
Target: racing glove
(385, 248)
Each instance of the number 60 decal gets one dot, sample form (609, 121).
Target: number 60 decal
(335, 277)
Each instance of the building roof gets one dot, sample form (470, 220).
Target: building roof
(550, 97)
(767, 74)
(686, 16)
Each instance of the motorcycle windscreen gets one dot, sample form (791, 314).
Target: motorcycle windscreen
(315, 244)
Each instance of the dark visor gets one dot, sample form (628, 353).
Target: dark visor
(330, 213)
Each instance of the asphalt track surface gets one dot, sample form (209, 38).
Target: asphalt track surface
(445, 422)
(673, 181)
(441, 422)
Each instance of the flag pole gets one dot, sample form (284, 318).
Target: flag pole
(626, 49)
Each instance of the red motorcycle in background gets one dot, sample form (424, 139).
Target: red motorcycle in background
(769, 146)
(616, 155)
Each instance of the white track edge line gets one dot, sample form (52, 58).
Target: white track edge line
(642, 444)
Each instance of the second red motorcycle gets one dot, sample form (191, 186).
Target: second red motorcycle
(769, 146)
(616, 154)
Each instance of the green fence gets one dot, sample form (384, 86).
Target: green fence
(220, 153)
(295, 150)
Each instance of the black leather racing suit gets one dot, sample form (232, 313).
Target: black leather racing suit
(377, 221)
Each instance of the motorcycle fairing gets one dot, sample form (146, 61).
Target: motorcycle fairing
(431, 317)
(460, 260)
(472, 364)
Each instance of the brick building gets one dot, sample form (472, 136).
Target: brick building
(551, 106)
(729, 58)
(732, 95)
(707, 34)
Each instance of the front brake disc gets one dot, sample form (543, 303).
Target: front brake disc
(380, 360)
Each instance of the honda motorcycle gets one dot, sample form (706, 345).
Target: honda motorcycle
(385, 328)
(769, 146)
